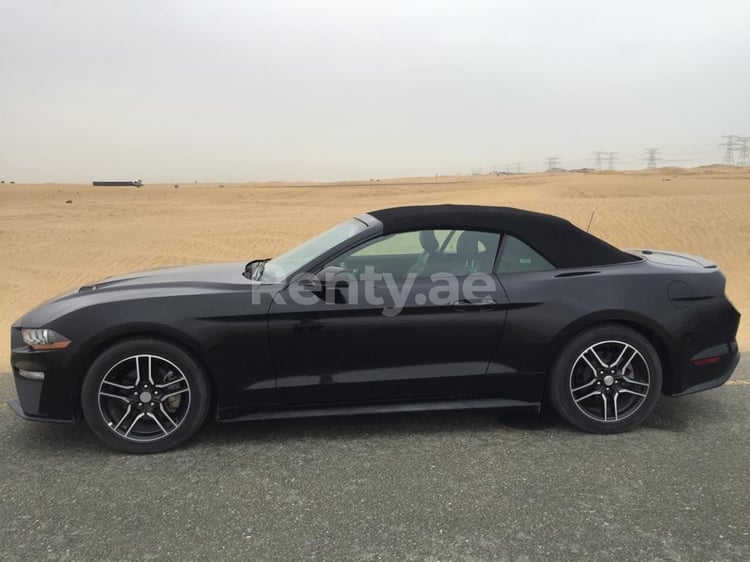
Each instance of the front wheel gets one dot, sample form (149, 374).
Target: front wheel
(606, 380)
(145, 396)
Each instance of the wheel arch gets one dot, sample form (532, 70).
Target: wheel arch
(647, 327)
(108, 338)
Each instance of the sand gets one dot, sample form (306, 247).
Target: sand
(48, 246)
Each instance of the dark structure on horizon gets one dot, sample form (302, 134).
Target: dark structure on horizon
(128, 183)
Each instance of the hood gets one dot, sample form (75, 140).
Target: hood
(156, 283)
(224, 275)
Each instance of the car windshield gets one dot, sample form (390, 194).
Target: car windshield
(279, 268)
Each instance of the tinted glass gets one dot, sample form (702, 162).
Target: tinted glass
(282, 266)
(424, 253)
(518, 257)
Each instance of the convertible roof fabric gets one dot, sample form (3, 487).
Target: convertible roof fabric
(559, 241)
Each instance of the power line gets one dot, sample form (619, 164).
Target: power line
(651, 156)
(612, 157)
(744, 149)
(598, 156)
(553, 163)
(731, 144)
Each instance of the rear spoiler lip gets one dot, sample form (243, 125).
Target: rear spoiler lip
(697, 260)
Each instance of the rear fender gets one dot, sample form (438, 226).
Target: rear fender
(651, 330)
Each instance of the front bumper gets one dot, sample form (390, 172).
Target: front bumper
(53, 399)
(15, 405)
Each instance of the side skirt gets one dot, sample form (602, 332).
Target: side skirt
(478, 404)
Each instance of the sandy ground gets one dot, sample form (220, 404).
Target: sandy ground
(56, 237)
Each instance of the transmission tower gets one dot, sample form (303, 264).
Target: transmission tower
(651, 156)
(598, 157)
(731, 143)
(744, 151)
(553, 162)
(519, 167)
(611, 156)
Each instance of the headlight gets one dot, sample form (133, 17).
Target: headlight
(43, 338)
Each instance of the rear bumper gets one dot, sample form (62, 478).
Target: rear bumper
(699, 378)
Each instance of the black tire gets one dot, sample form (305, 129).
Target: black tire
(592, 392)
(155, 396)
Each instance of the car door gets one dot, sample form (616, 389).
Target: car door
(417, 317)
(517, 370)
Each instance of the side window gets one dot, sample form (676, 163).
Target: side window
(517, 257)
(403, 243)
(423, 253)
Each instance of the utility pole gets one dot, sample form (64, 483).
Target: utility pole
(651, 156)
(731, 144)
(612, 158)
(598, 155)
(553, 162)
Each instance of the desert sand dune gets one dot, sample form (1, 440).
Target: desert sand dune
(48, 246)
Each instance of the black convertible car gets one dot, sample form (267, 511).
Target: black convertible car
(412, 308)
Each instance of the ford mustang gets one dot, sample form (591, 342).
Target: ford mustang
(412, 308)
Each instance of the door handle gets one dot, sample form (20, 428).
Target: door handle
(475, 304)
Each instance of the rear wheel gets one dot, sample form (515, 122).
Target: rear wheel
(606, 380)
(145, 396)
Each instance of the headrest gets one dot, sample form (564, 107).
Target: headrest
(428, 241)
(468, 244)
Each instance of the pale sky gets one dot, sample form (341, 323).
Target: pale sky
(218, 90)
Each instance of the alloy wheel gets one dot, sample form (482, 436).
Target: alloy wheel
(144, 398)
(609, 381)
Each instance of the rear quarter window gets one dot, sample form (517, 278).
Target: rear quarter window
(518, 257)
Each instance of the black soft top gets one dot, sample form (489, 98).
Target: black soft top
(559, 241)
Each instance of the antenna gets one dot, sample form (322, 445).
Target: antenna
(591, 220)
